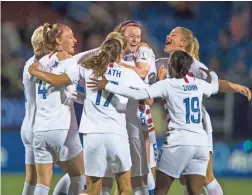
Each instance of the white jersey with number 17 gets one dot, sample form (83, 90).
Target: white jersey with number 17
(104, 112)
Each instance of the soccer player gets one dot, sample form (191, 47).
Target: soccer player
(103, 119)
(185, 150)
(140, 58)
(56, 136)
(182, 39)
(30, 109)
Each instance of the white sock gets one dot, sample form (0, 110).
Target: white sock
(41, 190)
(77, 184)
(214, 188)
(141, 191)
(185, 190)
(150, 180)
(62, 186)
(105, 191)
(28, 189)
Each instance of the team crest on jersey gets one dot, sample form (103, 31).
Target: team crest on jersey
(144, 56)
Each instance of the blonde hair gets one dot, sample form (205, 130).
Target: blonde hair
(50, 33)
(195, 51)
(111, 49)
(37, 40)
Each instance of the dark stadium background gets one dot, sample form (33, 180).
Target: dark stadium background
(224, 31)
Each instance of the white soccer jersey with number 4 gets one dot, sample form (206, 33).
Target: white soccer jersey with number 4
(30, 97)
(55, 110)
(104, 112)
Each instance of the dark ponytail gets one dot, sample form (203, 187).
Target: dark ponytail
(181, 63)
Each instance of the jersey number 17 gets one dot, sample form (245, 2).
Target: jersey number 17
(109, 98)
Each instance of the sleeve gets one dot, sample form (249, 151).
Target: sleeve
(73, 71)
(133, 80)
(158, 89)
(161, 61)
(136, 94)
(152, 75)
(83, 55)
(210, 88)
(143, 55)
(199, 73)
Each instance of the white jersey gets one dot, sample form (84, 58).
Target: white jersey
(104, 112)
(135, 108)
(184, 100)
(55, 111)
(194, 71)
(30, 97)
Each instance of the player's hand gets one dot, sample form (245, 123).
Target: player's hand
(162, 73)
(143, 44)
(243, 90)
(33, 68)
(96, 84)
(206, 71)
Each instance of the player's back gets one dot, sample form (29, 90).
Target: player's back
(104, 112)
(184, 101)
(30, 97)
(54, 108)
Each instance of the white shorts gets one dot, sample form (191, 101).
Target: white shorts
(106, 154)
(56, 145)
(153, 155)
(27, 138)
(138, 156)
(183, 160)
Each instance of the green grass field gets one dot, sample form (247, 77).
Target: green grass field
(12, 184)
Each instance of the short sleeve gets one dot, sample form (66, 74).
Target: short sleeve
(143, 55)
(210, 88)
(159, 89)
(195, 69)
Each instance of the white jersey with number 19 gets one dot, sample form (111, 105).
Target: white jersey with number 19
(184, 100)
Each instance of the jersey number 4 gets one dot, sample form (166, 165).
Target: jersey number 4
(42, 89)
(192, 108)
(109, 98)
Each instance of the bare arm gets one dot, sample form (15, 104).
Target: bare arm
(229, 87)
(141, 68)
(53, 79)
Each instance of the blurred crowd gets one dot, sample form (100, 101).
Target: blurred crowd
(225, 34)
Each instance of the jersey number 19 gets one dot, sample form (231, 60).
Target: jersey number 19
(192, 108)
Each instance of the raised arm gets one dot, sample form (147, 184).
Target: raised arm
(142, 65)
(83, 55)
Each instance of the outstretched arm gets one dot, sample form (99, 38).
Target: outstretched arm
(153, 91)
(229, 87)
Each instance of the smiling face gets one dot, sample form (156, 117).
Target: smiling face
(67, 40)
(174, 41)
(133, 37)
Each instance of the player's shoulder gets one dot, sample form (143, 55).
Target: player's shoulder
(197, 64)
(29, 62)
